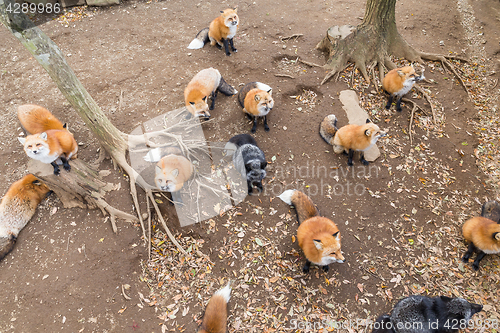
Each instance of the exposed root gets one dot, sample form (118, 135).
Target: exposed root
(310, 64)
(290, 37)
(415, 107)
(114, 213)
(149, 194)
(284, 75)
(149, 228)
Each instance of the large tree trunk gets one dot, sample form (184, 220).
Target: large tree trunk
(370, 43)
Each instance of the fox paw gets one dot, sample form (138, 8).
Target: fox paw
(465, 258)
(325, 268)
(235, 50)
(57, 172)
(266, 128)
(228, 54)
(475, 266)
(365, 162)
(67, 167)
(388, 106)
(349, 163)
(305, 269)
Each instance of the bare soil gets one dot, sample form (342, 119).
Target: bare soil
(400, 220)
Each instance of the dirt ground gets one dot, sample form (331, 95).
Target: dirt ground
(400, 220)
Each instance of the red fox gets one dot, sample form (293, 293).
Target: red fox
(483, 235)
(17, 207)
(220, 33)
(52, 146)
(215, 318)
(319, 237)
(171, 172)
(36, 119)
(350, 138)
(206, 82)
(256, 100)
(398, 82)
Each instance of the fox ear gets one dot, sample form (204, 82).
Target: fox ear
(222, 11)
(400, 73)
(43, 136)
(336, 235)
(368, 121)
(257, 98)
(158, 170)
(497, 236)
(204, 99)
(65, 125)
(445, 298)
(36, 182)
(235, 8)
(367, 132)
(270, 91)
(22, 140)
(175, 172)
(263, 164)
(318, 244)
(192, 103)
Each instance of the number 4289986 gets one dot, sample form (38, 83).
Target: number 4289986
(33, 8)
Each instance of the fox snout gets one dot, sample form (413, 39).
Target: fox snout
(234, 23)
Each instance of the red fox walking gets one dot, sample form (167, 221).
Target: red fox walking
(51, 147)
(220, 33)
(319, 237)
(215, 318)
(483, 235)
(36, 119)
(16, 209)
(206, 82)
(350, 138)
(398, 82)
(256, 100)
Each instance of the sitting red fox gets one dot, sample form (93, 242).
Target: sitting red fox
(36, 119)
(17, 207)
(215, 317)
(318, 236)
(206, 82)
(171, 172)
(350, 138)
(221, 32)
(256, 100)
(51, 146)
(398, 82)
(483, 235)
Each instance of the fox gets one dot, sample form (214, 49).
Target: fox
(220, 32)
(483, 235)
(215, 317)
(51, 146)
(350, 138)
(256, 100)
(207, 82)
(17, 208)
(398, 82)
(37, 119)
(319, 237)
(423, 314)
(171, 172)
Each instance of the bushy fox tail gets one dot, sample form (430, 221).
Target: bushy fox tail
(215, 318)
(303, 204)
(328, 128)
(200, 40)
(225, 88)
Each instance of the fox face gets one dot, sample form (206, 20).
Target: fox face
(230, 17)
(373, 132)
(36, 147)
(166, 180)
(199, 108)
(329, 247)
(264, 101)
(256, 170)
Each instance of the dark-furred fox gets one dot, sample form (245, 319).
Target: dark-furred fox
(350, 138)
(319, 237)
(398, 82)
(256, 100)
(16, 209)
(215, 317)
(206, 82)
(220, 33)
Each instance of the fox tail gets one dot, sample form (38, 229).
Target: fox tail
(200, 40)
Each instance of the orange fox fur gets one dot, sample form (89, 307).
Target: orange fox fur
(318, 237)
(221, 27)
(483, 233)
(398, 82)
(203, 84)
(355, 137)
(172, 171)
(258, 102)
(36, 119)
(16, 209)
(215, 317)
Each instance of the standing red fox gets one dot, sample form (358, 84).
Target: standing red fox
(350, 138)
(319, 237)
(16, 209)
(207, 82)
(398, 82)
(215, 318)
(220, 33)
(52, 146)
(36, 119)
(483, 235)
(256, 100)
